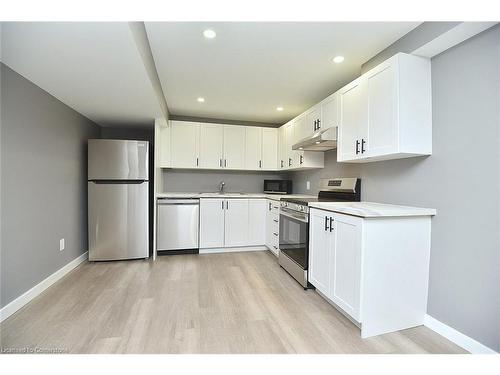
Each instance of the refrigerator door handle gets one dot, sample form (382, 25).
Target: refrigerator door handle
(118, 182)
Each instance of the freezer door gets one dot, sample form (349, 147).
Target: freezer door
(110, 159)
(118, 221)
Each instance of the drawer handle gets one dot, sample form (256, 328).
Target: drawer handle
(276, 234)
(275, 220)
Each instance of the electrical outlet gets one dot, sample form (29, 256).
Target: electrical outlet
(308, 185)
(61, 244)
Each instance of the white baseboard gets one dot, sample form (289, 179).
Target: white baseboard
(22, 300)
(232, 249)
(457, 337)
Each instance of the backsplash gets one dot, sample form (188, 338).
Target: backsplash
(208, 181)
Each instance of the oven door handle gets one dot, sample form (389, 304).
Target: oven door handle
(302, 218)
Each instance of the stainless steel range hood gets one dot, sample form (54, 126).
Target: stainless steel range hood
(322, 140)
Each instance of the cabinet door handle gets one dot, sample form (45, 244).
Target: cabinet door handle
(315, 125)
(276, 234)
(220, 163)
(260, 163)
(196, 161)
(275, 247)
(289, 162)
(227, 205)
(326, 223)
(319, 122)
(363, 146)
(275, 220)
(357, 147)
(282, 164)
(301, 159)
(222, 204)
(331, 224)
(270, 206)
(225, 162)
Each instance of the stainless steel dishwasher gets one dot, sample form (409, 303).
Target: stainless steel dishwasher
(178, 223)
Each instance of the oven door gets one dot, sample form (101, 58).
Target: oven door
(294, 236)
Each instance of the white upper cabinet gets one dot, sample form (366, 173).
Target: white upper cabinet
(215, 146)
(289, 141)
(313, 120)
(164, 154)
(353, 118)
(234, 147)
(269, 149)
(253, 148)
(282, 148)
(296, 159)
(211, 146)
(330, 112)
(184, 144)
(387, 112)
(301, 128)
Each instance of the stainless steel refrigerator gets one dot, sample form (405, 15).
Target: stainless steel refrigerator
(118, 199)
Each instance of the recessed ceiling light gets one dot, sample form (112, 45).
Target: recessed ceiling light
(338, 59)
(201, 100)
(279, 108)
(209, 34)
(318, 142)
(301, 148)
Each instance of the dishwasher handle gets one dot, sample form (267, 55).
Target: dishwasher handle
(170, 201)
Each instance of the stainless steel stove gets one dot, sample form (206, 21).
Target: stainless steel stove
(294, 223)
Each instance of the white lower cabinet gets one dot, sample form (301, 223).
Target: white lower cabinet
(374, 270)
(232, 223)
(345, 262)
(272, 226)
(212, 223)
(319, 260)
(236, 223)
(256, 222)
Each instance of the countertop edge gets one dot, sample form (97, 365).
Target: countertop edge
(354, 211)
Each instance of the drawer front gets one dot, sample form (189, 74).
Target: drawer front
(274, 245)
(275, 223)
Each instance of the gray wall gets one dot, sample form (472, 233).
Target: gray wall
(416, 38)
(461, 179)
(44, 188)
(207, 181)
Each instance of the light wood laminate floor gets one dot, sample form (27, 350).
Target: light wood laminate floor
(212, 303)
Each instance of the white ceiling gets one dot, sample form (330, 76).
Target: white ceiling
(95, 68)
(244, 73)
(251, 68)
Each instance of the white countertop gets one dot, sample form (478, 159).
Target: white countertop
(230, 195)
(373, 210)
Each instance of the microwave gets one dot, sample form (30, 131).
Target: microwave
(278, 186)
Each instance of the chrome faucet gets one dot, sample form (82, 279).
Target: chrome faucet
(221, 187)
